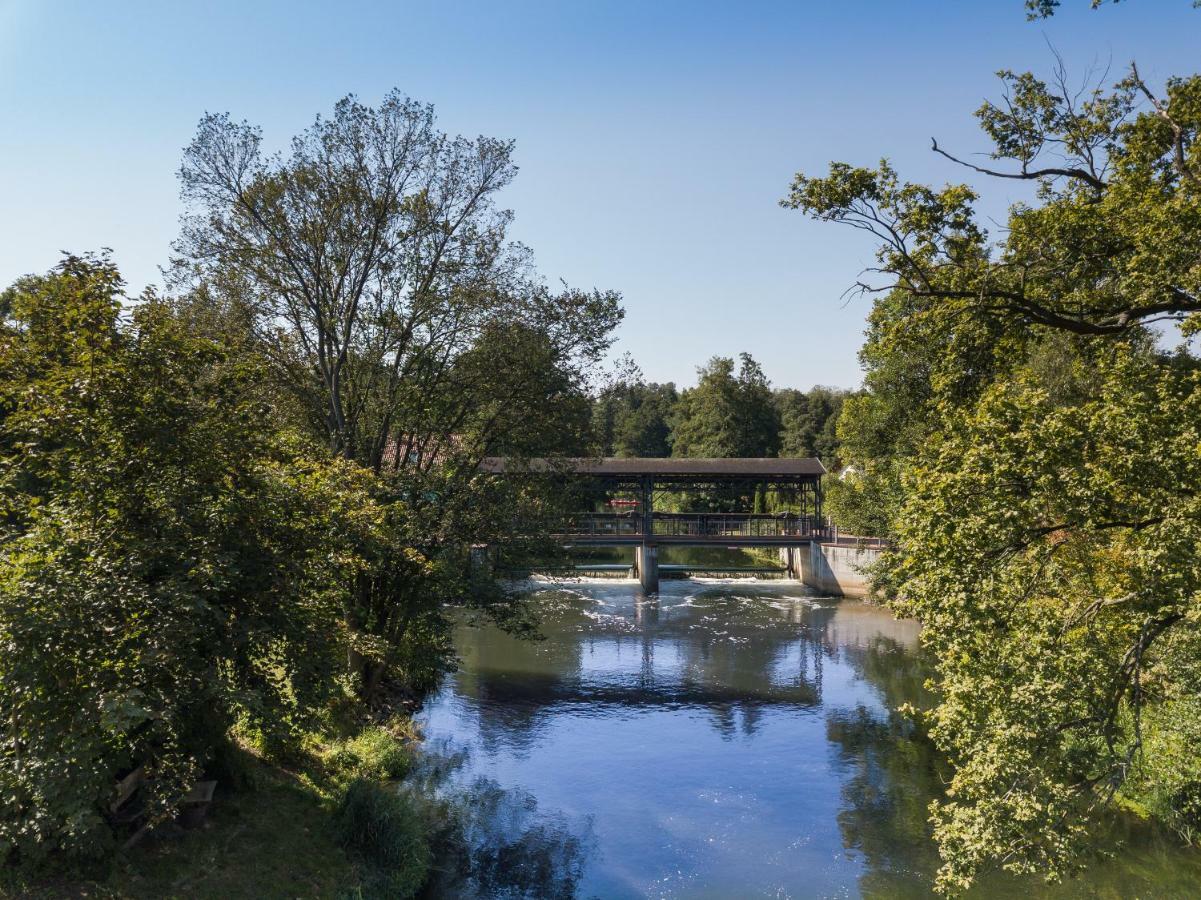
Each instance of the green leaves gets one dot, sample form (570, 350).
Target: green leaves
(728, 413)
(166, 562)
(1036, 458)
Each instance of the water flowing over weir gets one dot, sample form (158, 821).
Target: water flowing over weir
(727, 738)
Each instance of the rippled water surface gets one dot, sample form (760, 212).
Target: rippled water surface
(725, 739)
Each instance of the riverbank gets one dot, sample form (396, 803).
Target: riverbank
(275, 829)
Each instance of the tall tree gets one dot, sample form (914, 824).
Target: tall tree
(372, 260)
(808, 422)
(728, 414)
(371, 266)
(632, 418)
(1039, 459)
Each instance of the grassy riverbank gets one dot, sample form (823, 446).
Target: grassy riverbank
(275, 829)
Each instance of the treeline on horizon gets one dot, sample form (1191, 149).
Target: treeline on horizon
(731, 412)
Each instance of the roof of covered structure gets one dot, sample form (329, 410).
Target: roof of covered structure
(745, 467)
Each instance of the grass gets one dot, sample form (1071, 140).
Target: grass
(384, 828)
(274, 841)
(276, 836)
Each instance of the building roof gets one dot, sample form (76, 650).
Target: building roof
(669, 467)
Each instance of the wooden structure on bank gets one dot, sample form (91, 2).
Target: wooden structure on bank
(647, 479)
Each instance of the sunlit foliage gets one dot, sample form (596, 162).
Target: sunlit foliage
(1035, 454)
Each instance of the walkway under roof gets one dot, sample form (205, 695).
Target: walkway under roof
(767, 467)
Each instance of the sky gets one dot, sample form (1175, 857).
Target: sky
(654, 139)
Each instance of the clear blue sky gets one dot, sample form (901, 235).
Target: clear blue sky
(654, 138)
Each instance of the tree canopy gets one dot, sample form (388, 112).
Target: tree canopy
(374, 268)
(150, 532)
(729, 413)
(1032, 448)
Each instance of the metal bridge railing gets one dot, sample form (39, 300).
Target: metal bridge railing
(625, 524)
(735, 525)
(699, 525)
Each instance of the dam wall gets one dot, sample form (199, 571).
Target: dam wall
(837, 569)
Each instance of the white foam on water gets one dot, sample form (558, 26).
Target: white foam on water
(789, 602)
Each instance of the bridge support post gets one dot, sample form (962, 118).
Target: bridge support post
(796, 561)
(646, 565)
(480, 556)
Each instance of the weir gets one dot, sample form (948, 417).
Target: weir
(630, 491)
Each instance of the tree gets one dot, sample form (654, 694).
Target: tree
(1039, 460)
(808, 422)
(632, 418)
(372, 268)
(727, 414)
(168, 564)
(370, 261)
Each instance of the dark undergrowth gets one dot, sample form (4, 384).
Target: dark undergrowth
(366, 817)
(274, 829)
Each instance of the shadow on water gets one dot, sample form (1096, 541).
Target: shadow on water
(733, 738)
(893, 772)
(494, 841)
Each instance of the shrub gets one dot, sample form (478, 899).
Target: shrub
(377, 753)
(165, 561)
(384, 829)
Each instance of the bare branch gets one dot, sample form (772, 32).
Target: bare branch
(1028, 174)
(1161, 109)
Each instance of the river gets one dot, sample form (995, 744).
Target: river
(725, 739)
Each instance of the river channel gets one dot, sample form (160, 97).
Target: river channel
(725, 739)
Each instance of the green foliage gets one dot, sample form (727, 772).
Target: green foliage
(724, 414)
(421, 338)
(151, 529)
(384, 828)
(1034, 455)
(1044, 9)
(377, 753)
(728, 413)
(633, 418)
(808, 423)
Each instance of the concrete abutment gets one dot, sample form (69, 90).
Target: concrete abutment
(837, 569)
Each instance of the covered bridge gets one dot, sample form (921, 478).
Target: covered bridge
(634, 486)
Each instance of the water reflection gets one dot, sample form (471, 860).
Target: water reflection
(495, 841)
(722, 739)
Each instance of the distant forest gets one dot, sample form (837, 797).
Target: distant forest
(732, 411)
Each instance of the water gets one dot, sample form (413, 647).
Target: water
(727, 739)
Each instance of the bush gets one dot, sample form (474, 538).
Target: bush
(165, 559)
(384, 829)
(377, 753)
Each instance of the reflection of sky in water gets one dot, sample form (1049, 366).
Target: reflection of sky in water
(731, 739)
(691, 731)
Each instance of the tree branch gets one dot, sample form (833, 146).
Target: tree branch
(1026, 174)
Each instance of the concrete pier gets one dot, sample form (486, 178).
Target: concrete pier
(646, 567)
(837, 569)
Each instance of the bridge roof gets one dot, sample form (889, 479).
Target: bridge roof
(669, 467)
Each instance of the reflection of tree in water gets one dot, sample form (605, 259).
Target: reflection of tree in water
(893, 773)
(492, 841)
(739, 655)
